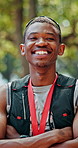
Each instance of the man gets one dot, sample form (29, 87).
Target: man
(41, 109)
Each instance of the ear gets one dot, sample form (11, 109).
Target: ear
(22, 48)
(61, 49)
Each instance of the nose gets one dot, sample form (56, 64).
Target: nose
(41, 42)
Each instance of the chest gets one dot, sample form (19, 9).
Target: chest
(61, 109)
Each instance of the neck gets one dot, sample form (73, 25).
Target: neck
(42, 76)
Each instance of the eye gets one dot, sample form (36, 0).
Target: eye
(50, 39)
(33, 38)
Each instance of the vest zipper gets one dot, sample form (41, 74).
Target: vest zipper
(24, 106)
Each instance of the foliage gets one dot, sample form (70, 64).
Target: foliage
(65, 12)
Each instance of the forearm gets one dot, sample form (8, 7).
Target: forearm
(68, 144)
(41, 141)
(64, 134)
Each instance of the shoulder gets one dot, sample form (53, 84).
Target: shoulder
(65, 80)
(3, 91)
(17, 84)
(3, 96)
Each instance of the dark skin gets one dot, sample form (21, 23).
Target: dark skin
(41, 50)
(71, 143)
(42, 67)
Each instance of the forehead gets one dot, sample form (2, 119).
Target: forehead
(39, 27)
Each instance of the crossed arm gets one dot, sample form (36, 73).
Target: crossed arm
(62, 138)
(74, 142)
(45, 140)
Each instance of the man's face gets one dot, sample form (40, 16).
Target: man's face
(41, 44)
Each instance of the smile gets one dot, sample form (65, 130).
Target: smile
(41, 52)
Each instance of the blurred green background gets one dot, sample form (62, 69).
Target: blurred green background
(14, 14)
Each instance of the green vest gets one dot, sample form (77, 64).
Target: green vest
(61, 107)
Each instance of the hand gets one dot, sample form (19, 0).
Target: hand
(11, 133)
(57, 146)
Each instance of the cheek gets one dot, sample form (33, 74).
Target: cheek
(54, 47)
(29, 45)
(52, 44)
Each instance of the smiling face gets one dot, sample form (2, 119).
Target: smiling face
(42, 45)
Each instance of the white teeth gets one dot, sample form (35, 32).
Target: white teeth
(41, 52)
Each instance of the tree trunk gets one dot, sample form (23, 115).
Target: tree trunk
(19, 36)
(32, 8)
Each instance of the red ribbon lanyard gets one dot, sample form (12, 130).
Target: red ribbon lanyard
(41, 129)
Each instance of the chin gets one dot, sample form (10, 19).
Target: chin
(41, 65)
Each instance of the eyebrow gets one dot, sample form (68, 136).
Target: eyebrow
(49, 33)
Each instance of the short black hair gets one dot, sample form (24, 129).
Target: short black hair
(43, 19)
